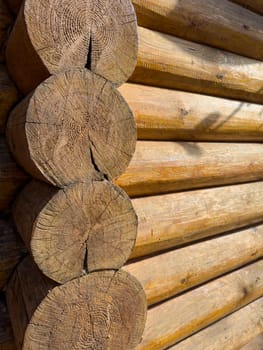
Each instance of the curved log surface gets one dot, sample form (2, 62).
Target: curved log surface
(253, 5)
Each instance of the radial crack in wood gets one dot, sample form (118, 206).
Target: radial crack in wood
(87, 226)
(75, 126)
(52, 35)
(104, 310)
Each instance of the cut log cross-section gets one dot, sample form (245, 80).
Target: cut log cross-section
(75, 126)
(51, 36)
(102, 310)
(84, 227)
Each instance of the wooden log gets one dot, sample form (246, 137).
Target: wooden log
(6, 333)
(8, 96)
(100, 35)
(174, 320)
(14, 5)
(12, 250)
(171, 220)
(253, 5)
(255, 344)
(171, 273)
(6, 20)
(102, 310)
(67, 143)
(221, 24)
(84, 227)
(167, 61)
(163, 114)
(163, 167)
(230, 333)
(12, 178)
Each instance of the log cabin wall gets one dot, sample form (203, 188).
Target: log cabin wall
(192, 227)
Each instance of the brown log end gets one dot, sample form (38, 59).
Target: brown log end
(8, 96)
(84, 227)
(75, 126)
(51, 36)
(6, 21)
(6, 334)
(11, 250)
(14, 5)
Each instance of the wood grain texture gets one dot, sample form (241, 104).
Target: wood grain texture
(102, 310)
(171, 273)
(220, 24)
(6, 21)
(255, 344)
(53, 35)
(253, 5)
(163, 114)
(163, 167)
(167, 61)
(6, 333)
(12, 250)
(178, 318)
(82, 228)
(230, 333)
(12, 178)
(8, 96)
(171, 220)
(60, 132)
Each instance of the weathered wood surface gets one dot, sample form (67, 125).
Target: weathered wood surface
(102, 310)
(174, 320)
(11, 177)
(254, 5)
(255, 344)
(6, 334)
(167, 61)
(163, 167)
(171, 273)
(6, 21)
(230, 333)
(83, 227)
(11, 250)
(8, 96)
(60, 132)
(221, 24)
(163, 114)
(171, 220)
(101, 35)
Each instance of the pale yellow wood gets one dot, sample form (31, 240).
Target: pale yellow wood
(171, 273)
(167, 61)
(230, 333)
(163, 114)
(163, 167)
(254, 344)
(170, 220)
(174, 320)
(216, 23)
(254, 5)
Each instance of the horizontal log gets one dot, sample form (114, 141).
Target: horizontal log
(255, 344)
(230, 333)
(178, 318)
(163, 114)
(6, 334)
(12, 178)
(171, 273)
(253, 5)
(167, 61)
(12, 250)
(84, 227)
(163, 167)
(66, 144)
(8, 96)
(171, 220)
(102, 310)
(101, 36)
(221, 24)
